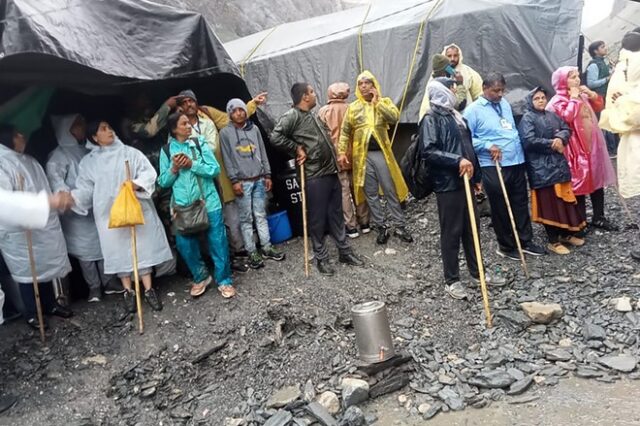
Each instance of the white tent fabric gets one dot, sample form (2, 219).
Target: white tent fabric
(524, 39)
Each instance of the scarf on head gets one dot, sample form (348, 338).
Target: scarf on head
(441, 96)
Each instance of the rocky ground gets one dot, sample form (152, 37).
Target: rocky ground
(285, 341)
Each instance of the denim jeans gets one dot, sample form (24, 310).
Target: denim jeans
(253, 206)
(189, 248)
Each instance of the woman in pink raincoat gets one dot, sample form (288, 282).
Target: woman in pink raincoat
(591, 168)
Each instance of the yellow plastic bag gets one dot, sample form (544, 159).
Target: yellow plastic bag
(126, 209)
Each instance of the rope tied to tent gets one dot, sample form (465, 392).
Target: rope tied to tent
(253, 51)
(364, 21)
(413, 62)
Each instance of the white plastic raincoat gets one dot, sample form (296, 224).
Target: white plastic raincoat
(62, 170)
(623, 117)
(49, 247)
(100, 176)
(24, 209)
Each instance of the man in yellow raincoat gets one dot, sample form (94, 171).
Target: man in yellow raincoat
(365, 130)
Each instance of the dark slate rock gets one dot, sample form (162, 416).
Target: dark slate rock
(389, 384)
(492, 379)
(624, 363)
(593, 332)
(353, 417)
(321, 414)
(435, 408)
(281, 418)
(515, 320)
(520, 386)
(588, 373)
(558, 355)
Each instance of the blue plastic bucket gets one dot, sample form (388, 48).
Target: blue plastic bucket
(279, 227)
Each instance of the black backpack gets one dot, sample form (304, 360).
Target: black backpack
(415, 170)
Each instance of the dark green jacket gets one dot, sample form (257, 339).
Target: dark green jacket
(296, 128)
(600, 84)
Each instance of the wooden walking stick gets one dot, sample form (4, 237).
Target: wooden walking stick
(476, 246)
(136, 278)
(625, 207)
(304, 222)
(513, 222)
(34, 273)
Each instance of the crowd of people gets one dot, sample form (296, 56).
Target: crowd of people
(180, 164)
(202, 177)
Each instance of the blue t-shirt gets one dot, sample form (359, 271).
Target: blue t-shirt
(493, 124)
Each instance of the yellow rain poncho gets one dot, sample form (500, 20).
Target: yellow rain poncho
(363, 120)
(623, 117)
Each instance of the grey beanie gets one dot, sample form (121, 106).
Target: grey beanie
(188, 93)
(236, 103)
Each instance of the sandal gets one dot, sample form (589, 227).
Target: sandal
(558, 248)
(573, 240)
(227, 291)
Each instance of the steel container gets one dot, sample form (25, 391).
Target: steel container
(373, 335)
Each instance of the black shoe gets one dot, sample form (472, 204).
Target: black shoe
(113, 287)
(383, 235)
(603, 223)
(324, 268)
(365, 229)
(635, 254)
(130, 301)
(153, 300)
(95, 295)
(352, 233)
(509, 254)
(402, 233)
(6, 402)
(239, 265)
(11, 316)
(60, 311)
(534, 250)
(242, 254)
(350, 259)
(33, 323)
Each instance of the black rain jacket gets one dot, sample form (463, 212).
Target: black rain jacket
(545, 167)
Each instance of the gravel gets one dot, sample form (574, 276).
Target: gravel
(283, 330)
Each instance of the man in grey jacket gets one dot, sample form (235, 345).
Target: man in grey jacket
(245, 159)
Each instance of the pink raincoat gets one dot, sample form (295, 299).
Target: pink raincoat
(591, 167)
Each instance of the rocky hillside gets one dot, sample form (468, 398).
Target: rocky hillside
(238, 18)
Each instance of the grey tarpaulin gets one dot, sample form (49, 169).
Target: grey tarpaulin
(83, 43)
(525, 40)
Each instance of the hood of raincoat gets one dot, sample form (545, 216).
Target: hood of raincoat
(62, 126)
(367, 75)
(448, 46)
(338, 92)
(529, 98)
(94, 146)
(559, 79)
(440, 95)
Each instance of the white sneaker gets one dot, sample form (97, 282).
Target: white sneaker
(456, 290)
